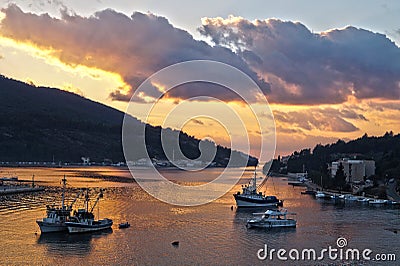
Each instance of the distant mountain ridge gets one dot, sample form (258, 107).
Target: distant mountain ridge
(39, 123)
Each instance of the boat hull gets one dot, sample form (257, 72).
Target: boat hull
(74, 228)
(52, 227)
(246, 202)
(274, 224)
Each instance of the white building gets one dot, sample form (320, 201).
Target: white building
(355, 170)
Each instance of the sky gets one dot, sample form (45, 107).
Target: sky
(329, 70)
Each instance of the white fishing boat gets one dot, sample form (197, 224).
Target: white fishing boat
(55, 220)
(83, 220)
(57, 216)
(251, 198)
(272, 219)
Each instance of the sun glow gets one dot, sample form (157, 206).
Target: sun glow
(42, 67)
(27, 62)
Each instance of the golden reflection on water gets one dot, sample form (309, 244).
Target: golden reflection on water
(209, 234)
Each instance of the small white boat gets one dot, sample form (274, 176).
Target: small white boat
(322, 195)
(272, 219)
(350, 198)
(362, 200)
(335, 197)
(377, 202)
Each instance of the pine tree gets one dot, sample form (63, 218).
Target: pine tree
(340, 177)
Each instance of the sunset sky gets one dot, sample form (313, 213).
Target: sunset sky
(328, 69)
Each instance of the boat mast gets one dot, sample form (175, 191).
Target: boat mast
(64, 182)
(97, 200)
(87, 200)
(255, 178)
(75, 199)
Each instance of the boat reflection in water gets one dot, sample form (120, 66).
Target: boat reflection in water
(63, 243)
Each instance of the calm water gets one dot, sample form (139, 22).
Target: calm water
(211, 234)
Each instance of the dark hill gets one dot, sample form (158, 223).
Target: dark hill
(384, 150)
(37, 123)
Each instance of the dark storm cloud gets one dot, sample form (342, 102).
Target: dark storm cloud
(327, 119)
(134, 47)
(308, 68)
(290, 63)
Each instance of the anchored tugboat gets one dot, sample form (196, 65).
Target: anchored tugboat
(251, 198)
(57, 216)
(83, 220)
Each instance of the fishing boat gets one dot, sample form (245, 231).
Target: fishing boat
(251, 198)
(83, 220)
(272, 219)
(57, 216)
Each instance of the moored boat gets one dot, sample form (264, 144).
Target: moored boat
(350, 198)
(308, 192)
(55, 220)
(124, 225)
(322, 195)
(377, 202)
(83, 220)
(57, 216)
(251, 198)
(272, 219)
(362, 200)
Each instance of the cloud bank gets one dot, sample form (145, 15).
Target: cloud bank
(291, 64)
(323, 119)
(134, 47)
(311, 68)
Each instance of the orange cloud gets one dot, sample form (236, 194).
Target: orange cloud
(134, 47)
